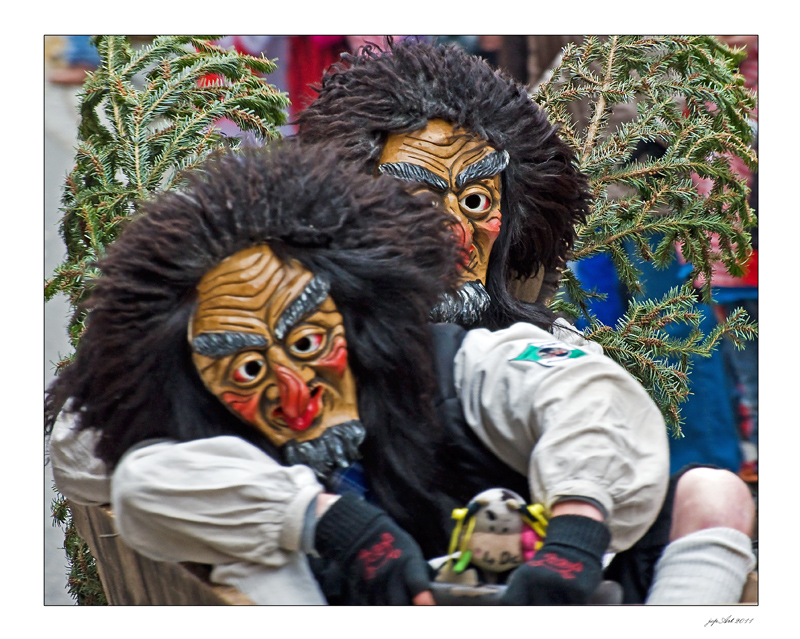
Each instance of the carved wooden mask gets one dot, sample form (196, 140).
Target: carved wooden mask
(465, 170)
(268, 341)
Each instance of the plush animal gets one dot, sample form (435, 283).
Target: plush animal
(494, 534)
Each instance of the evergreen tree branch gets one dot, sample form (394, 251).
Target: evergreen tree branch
(690, 101)
(146, 115)
(600, 107)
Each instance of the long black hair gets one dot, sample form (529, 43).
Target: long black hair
(387, 254)
(374, 93)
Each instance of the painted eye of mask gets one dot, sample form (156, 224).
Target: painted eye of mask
(249, 372)
(308, 344)
(476, 203)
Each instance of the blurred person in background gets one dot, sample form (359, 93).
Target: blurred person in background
(79, 57)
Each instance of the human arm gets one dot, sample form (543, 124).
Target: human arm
(219, 501)
(284, 578)
(577, 507)
(577, 425)
(590, 440)
(213, 501)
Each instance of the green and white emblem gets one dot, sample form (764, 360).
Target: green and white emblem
(548, 354)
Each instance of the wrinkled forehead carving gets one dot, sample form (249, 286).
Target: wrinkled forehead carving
(441, 156)
(489, 166)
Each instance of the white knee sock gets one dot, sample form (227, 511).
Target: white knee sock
(706, 567)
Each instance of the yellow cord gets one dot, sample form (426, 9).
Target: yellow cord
(458, 515)
(466, 555)
(537, 517)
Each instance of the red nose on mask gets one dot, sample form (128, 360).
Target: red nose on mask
(299, 406)
(464, 238)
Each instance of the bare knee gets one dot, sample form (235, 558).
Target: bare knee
(710, 498)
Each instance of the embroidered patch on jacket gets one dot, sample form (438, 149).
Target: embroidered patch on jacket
(548, 354)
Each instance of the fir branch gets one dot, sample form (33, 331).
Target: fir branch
(146, 115)
(688, 99)
(84, 577)
(601, 106)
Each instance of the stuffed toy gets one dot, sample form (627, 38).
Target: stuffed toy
(494, 534)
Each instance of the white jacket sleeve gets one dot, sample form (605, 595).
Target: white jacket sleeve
(214, 501)
(79, 474)
(572, 420)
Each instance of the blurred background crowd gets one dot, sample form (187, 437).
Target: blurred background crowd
(301, 58)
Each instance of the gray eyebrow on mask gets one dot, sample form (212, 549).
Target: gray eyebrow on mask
(226, 343)
(489, 166)
(413, 173)
(309, 300)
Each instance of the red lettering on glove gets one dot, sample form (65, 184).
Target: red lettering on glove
(551, 561)
(377, 556)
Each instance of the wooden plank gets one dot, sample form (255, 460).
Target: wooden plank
(132, 579)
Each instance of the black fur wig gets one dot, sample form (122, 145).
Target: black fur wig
(387, 254)
(375, 93)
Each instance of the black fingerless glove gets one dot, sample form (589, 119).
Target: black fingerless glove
(366, 557)
(568, 567)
